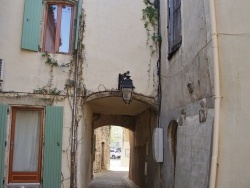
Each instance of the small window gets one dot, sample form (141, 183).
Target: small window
(58, 28)
(174, 27)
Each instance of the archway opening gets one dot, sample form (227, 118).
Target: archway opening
(119, 149)
(139, 119)
(111, 149)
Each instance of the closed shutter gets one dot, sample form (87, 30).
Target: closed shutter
(52, 147)
(3, 118)
(31, 25)
(175, 35)
(78, 19)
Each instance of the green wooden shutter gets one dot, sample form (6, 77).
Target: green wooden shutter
(31, 24)
(52, 147)
(78, 18)
(3, 118)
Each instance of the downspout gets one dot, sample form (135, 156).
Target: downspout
(74, 125)
(215, 147)
(159, 76)
(159, 61)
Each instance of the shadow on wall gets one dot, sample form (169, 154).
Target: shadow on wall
(172, 144)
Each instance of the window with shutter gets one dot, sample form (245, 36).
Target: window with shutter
(174, 27)
(26, 138)
(58, 34)
(58, 28)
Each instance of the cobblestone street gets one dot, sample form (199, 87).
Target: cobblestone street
(116, 177)
(111, 179)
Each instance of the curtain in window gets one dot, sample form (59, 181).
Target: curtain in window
(26, 141)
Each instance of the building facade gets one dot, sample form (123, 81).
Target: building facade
(60, 62)
(59, 68)
(204, 93)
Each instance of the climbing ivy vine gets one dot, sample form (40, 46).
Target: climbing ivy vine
(150, 17)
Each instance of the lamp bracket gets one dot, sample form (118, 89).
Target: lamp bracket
(122, 77)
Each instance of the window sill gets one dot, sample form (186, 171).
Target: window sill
(61, 53)
(26, 185)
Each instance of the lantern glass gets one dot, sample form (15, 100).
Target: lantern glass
(127, 94)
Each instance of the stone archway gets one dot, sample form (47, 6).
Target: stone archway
(140, 117)
(125, 121)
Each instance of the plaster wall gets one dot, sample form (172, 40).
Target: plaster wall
(193, 61)
(24, 70)
(193, 152)
(234, 45)
(193, 64)
(28, 100)
(125, 154)
(115, 42)
(85, 147)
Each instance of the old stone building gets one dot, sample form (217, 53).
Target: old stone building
(63, 69)
(60, 62)
(204, 84)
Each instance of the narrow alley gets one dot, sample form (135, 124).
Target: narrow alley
(124, 94)
(112, 179)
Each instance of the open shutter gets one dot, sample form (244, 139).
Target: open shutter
(170, 25)
(175, 35)
(52, 147)
(3, 118)
(31, 25)
(177, 24)
(78, 19)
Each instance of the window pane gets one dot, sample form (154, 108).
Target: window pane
(65, 29)
(50, 31)
(26, 141)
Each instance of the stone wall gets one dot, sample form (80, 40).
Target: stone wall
(102, 149)
(125, 154)
(191, 65)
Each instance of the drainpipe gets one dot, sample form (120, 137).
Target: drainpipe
(215, 148)
(159, 60)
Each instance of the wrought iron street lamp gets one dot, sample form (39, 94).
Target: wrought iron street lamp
(125, 84)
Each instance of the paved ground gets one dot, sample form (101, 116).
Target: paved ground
(110, 179)
(116, 177)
